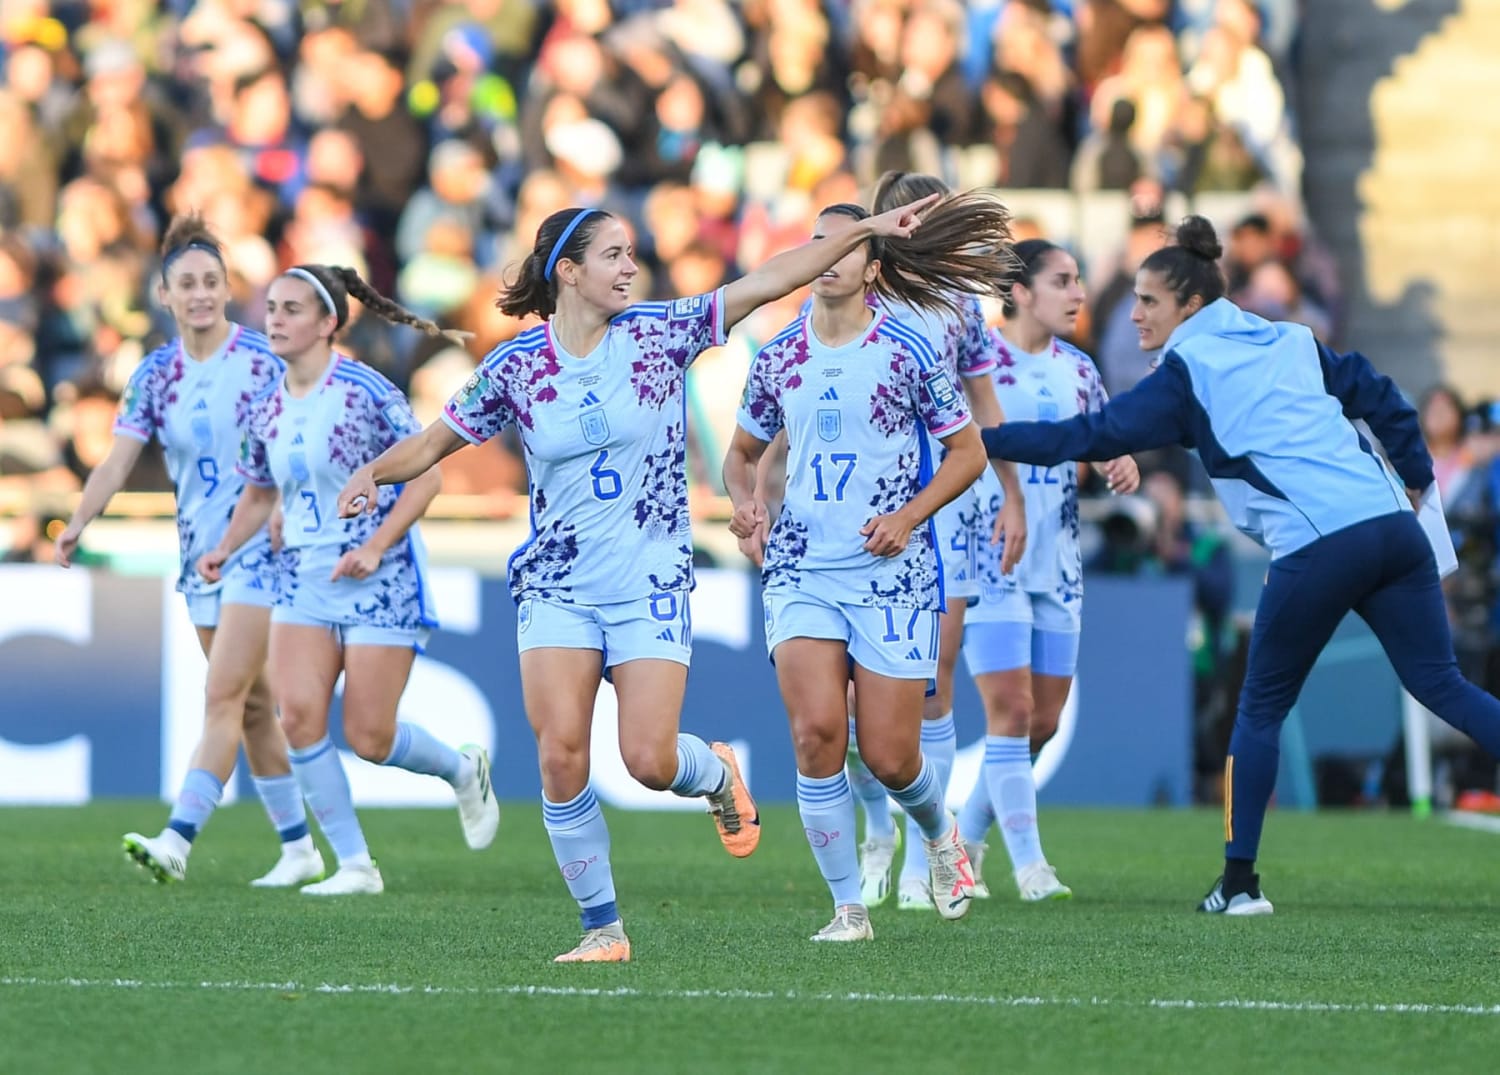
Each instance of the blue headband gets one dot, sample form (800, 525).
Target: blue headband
(177, 252)
(557, 247)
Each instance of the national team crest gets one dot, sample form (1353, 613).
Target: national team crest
(830, 424)
(595, 427)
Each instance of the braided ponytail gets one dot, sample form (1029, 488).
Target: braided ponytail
(340, 282)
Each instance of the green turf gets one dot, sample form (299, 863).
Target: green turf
(1371, 910)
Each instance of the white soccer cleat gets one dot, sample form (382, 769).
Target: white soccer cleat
(914, 894)
(349, 881)
(875, 859)
(157, 856)
(293, 868)
(952, 881)
(975, 849)
(1039, 882)
(477, 807)
(850, 923)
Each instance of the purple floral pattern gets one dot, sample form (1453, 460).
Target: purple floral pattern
(662, 510)
(895, 490)
(969, 340)
(196, 411)
(857, 418)
(605, 447)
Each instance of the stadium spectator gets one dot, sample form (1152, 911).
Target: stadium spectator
(305, 132)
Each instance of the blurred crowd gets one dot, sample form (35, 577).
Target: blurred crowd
(423, 141)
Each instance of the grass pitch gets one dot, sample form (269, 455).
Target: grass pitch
(1382, 955)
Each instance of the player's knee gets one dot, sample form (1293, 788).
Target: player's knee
(224, 698)
(563, 763)
(817, 747)
(373, 744)
(302, 722)
(650, 766)
(1043, 727)
(1010, 713)
(892, 766)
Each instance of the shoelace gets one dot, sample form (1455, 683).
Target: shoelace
(842, 919)
(722, 804)
(598, 938)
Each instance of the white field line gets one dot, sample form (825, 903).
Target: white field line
(792, 995)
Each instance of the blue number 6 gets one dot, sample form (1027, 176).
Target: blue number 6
(607, 483)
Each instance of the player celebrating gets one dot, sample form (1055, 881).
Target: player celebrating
(352, 593)
(193, 395)
(1021, 645)
(1270, 411)
(851, 571)
(964, 342)
(597, 395)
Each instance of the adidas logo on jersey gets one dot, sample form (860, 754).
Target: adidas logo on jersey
(830, 394)
(297, 440)
(201, 406)
(590, 400)
(914, 654)
(666, 636)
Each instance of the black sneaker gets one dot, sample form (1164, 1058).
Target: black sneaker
(1248, 902)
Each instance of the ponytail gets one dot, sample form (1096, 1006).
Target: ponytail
(566, 234)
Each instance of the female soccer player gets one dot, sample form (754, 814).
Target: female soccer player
(352, 594)
(602, 583)
(852, 574)
(193, 395)
(964, 342)
(1021, 645)
(1270, 411)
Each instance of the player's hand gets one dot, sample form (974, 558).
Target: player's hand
(358, 563)
(1010, 527)
(753, 548)
(276, 527)
(888, 535)
(360, 494)
(67, 544)
(211, 565)
(1121, 475)
(900, 222)
(1414, 495)
(749, 518)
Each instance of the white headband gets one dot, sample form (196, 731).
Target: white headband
(317, 285)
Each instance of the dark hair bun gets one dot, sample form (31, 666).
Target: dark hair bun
(1196, 235)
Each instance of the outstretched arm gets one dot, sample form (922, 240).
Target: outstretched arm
(795, 268)
(1153, 414)
(401, 462)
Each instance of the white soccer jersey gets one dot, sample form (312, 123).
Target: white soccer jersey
(857, 419)
(1059, 383)
(605, 442)
(309, 447)
(198, 410)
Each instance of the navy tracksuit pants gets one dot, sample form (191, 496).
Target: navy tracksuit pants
(1384, 570)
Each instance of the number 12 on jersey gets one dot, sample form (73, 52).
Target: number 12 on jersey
(844, 463)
